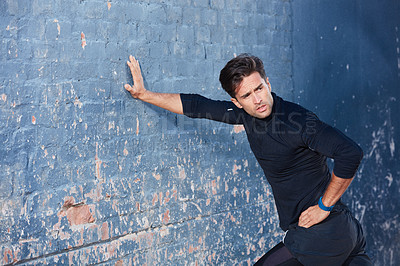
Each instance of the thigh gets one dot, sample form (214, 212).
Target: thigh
(358, 257)
(278, 255)
(358, 260)
(328, 243)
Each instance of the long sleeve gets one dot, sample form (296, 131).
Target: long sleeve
(332, 143)
(197, 106)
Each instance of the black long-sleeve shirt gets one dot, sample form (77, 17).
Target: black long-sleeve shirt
(291, 146)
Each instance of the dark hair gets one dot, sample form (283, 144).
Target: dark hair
(236, 69)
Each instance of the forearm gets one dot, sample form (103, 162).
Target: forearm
(314, 214)
(335, 189)
(169, 101)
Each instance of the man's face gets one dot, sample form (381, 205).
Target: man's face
(254, 95)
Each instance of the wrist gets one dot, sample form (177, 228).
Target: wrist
(143, 95)
(323, 207)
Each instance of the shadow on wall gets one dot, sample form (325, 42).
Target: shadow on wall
(346, 68)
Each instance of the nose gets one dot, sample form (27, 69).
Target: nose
(256, 99)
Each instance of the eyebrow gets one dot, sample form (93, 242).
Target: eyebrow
(248, 93)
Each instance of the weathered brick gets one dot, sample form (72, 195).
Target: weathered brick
(191, 16)
(203, 35)
(185, 34)
(94, 176)
(217, 4)
(174, 14)
(155, 14)
(209, 17)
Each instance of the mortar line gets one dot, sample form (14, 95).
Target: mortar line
(60, 252)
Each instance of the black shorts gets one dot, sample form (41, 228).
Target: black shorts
(338, 240)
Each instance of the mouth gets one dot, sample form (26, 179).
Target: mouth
(262, 108)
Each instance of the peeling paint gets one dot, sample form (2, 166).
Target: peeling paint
(58, 28)
(104, 231)
(98, 163)
(238, 128)
(137, 126)
(166, 217)
(76, 213)
(182, 174)
(98, 182)
(156, 176)
(83, 40)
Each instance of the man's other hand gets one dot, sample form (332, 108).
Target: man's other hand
(313, 215)
(137, 89)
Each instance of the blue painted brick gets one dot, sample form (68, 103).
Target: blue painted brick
(174, 14)
(209, 17)
(156, 180)
(158, 50)
(155, 14)
(191, 16)
(135, 11)
(203, 35)
(6, 186)
(217, 4)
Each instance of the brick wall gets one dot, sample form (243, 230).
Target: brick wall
(90, 175)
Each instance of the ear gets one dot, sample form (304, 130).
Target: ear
(238, 105)
(268, 84)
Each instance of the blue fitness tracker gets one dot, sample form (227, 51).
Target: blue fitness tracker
(323, 207)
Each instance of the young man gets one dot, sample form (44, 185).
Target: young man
(291, 144)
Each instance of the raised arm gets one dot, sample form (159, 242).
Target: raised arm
(169, 101)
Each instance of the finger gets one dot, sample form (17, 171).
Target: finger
(301, 220)
(130, 68)
(134, 62)
(310, 223)
(307, 226)
(303, 216)
(137, 67)
(304, 219)
(128, 87)
(136, 76)
(132, 58)
(134, 67)
(303, 223)
(130, 65)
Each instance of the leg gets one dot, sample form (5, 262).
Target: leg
(358, 256)
(358, 260)
(335, 241)
(278, 255)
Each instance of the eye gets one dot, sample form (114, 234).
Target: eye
(246, 95)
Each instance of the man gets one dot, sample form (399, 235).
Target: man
(291, 144)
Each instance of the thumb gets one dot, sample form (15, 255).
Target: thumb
(128, 87)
